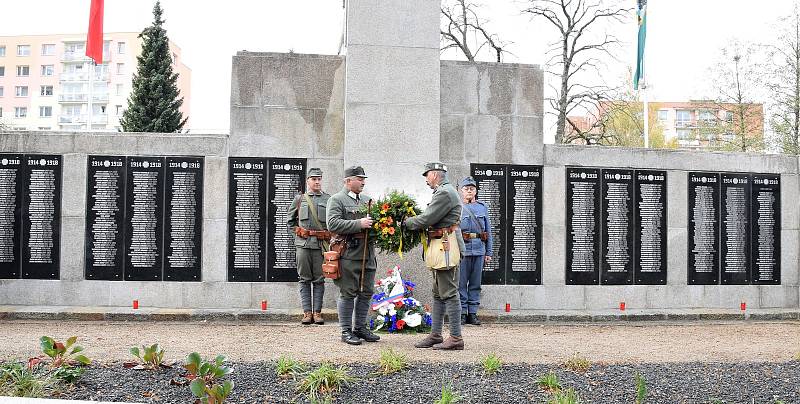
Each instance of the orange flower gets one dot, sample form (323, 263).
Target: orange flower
(389, 220)
(385, 206)
(391, 230)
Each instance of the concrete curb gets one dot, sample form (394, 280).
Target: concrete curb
(124, 314)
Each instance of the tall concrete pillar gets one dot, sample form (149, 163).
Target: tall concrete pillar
(392, 92)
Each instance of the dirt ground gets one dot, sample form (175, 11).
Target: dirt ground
(734, 341)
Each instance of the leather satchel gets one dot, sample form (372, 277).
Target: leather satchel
(331, 266)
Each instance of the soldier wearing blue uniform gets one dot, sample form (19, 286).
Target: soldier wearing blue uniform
(476, 230)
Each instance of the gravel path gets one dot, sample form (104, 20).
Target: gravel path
(525, 343)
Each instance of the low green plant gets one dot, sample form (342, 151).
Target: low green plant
(392, 362)
(19, 380)
(60, 353)
(641, 388)
(206, 375)
(324, 381)
(568, 396)
(287, 367)
(151, 356)
(491, 364)
(549, 382)
(448, 395)
(577, 363)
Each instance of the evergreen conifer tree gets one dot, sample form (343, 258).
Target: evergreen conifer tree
(154, 103)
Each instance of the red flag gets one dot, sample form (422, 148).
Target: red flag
(94, 38)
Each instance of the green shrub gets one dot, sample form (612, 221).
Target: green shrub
(19, 380)
(448, 395)
(287, 367)
(549, 382)
(392, 362)
(568, 396)
(206, 375)
(324, 381)
(577, 363)
(641, 388)
(491, 364)
(151, 356)
(60, 354)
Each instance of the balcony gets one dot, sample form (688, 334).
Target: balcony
(80, 119)
(82, 98)
(80, 56)
(83, 76)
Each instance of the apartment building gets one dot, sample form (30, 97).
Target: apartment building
(48, 83)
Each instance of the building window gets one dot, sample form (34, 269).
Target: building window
(662, 115)
(2, 71)
(1, 91)
(21, 91)
(2, 51)
(20, 112)
(48, 70)
(728, 116)
(23, 71)
(175, 58)
(121, 47)
(120, 68)
(48, 49)
(120, 88)
(119, 110)
(46, 90)
(683, 134)
(1, 112)
(23, 50)
(707, 116)
(45, 112)
(683, 117)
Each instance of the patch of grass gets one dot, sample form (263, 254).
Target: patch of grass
(324, 381)
(392, 362)
(577, 363)
(19, 380)
(288, 367)
(549, 382)
(568, 396)
(491, 364)
(641, 388)
(448, 395)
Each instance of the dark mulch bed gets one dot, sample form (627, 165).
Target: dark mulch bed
(667, 383)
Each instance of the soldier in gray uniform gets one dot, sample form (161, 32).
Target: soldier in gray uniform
(440, 221)
(357, 262)
(307, 219)
(476, 230)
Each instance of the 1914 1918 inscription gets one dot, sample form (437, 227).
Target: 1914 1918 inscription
(11, 168)
(41, 217)
(144, 231)
(583, 225)
(616, 250)
(287, 178)
(105, 209)
(183, 226)
(703, 228)
(650, 239)
(247, 216)
(734, 213)
(492, 191)
(766, 229)
(524, 232)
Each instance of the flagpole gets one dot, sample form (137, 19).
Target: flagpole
(646, 115)
(91, 85)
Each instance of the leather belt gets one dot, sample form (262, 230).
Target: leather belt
(439, 233)
(470, 236)
(306, 233)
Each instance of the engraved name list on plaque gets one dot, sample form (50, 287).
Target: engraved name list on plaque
(247, 215)
(41, 217)
(11, 168)
(492, 191)
(583, 225)
(287, 178)
(183, 225)
(105, 211)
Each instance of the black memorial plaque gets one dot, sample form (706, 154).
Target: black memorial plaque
(287, 178)
(766, 229)
(183, 222)
(144, 217)
(247, 215)
(41, 216)
(703, 228)
(492, 191)
(616, 250)
(650, 237)
(734, 210)
(583, 225)
(105, 209)
(11, 168)
(524, 236)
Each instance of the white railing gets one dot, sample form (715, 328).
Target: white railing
(81, 55)
(83, 76)
(82, 97)
(77, 119)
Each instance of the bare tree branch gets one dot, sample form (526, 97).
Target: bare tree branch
(463, 29)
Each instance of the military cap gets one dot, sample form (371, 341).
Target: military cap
(469, 181)
(434, 166)
(354, 171)
(314, 172)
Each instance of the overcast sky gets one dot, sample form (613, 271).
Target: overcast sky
(683, 37)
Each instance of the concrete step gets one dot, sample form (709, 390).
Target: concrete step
(107, 313)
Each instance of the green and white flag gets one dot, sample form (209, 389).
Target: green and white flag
(641, 15)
